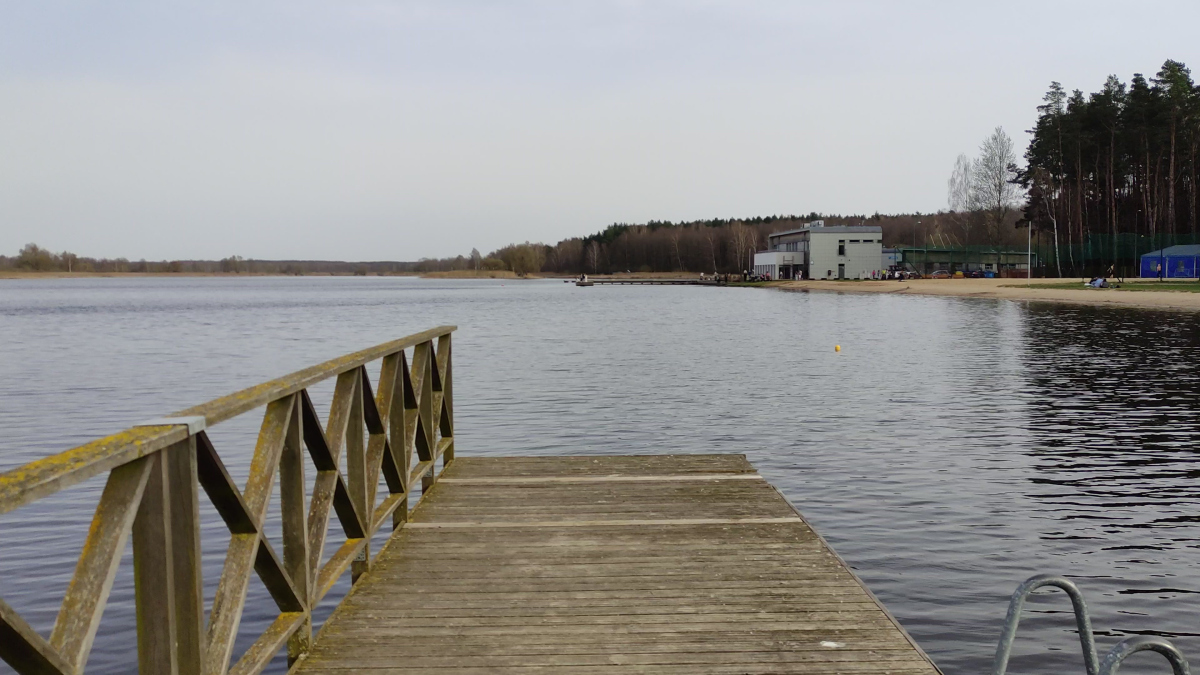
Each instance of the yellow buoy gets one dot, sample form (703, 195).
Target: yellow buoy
(837, 348)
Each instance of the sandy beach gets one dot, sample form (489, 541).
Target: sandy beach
(1013, 289)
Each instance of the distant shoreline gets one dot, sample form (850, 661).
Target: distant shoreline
(452, 274)
(1012, 289)
(456, 274)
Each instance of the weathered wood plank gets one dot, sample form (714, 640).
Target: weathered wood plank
(329, 490)
(79, 617)
(258, 655)
(336, 566)
(25, 649)
(153, 576)
(632, 465)
(221, 490)
(246, 400)
(187, 568)
(43, 477)
(295, 526)
(249, 552)
(675, 564)
(356, 470)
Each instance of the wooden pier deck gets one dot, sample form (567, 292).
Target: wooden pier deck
(575, 565)
(651, 282)
(640, 564)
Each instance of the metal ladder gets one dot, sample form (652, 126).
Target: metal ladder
(1112, 660)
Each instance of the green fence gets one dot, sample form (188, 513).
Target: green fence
(1097, 252)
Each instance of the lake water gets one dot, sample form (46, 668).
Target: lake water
(951, 449)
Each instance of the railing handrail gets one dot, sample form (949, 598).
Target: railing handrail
(46, 476)
(221, 409)
(156, 471)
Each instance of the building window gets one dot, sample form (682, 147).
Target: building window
(842, 247)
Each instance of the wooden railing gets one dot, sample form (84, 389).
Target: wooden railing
(154, 475)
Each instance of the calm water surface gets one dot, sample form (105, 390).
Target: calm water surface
(953, 448)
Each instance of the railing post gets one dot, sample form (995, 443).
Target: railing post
(183, 491)
(397, 432)
(446, 421)
(426, 444)
(295, 526)
(153, 578)
(356, 468)
(166, 565)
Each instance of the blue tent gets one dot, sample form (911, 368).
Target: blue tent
(1178, 262)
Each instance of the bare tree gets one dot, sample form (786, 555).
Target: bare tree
(476, 259)
(676, 232)
(743, 242)
(593, 256)
(959, 196)
(992, 187)
(711, 235)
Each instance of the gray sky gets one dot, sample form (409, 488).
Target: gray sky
(397, 130)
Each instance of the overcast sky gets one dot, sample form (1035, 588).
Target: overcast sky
(399, 130)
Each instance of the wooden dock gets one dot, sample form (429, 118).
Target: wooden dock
(650, 564)
(658, 282)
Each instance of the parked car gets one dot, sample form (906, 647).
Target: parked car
(940, 274)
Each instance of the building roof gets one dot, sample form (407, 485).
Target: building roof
(864, 229)
(1182, 249)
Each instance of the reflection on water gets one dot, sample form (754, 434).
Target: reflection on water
(1114, 417)
(953, 448)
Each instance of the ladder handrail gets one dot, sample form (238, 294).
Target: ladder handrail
(1082, 620)
(1142, 643)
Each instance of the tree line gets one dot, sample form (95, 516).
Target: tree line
(34, 258)
(726, 245)
(715, 245)
(1113, 174)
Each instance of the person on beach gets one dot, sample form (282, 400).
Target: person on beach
(1158, 270)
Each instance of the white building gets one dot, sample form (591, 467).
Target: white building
(816, 251)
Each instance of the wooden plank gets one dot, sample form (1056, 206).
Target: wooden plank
(336, 566)
(246, 400)
(222, 491)
(43, 477)
(247, 552)
(681, 665)
(329, 491)
(258, 655)
(604, 523)
(293, 510)
(187, 568)
(25, 650)
(422, 376)
(79, 617)
(674, 564)
(356, 471)
(632, 465)
(153, 578)
(271, 571)
(535, 480)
